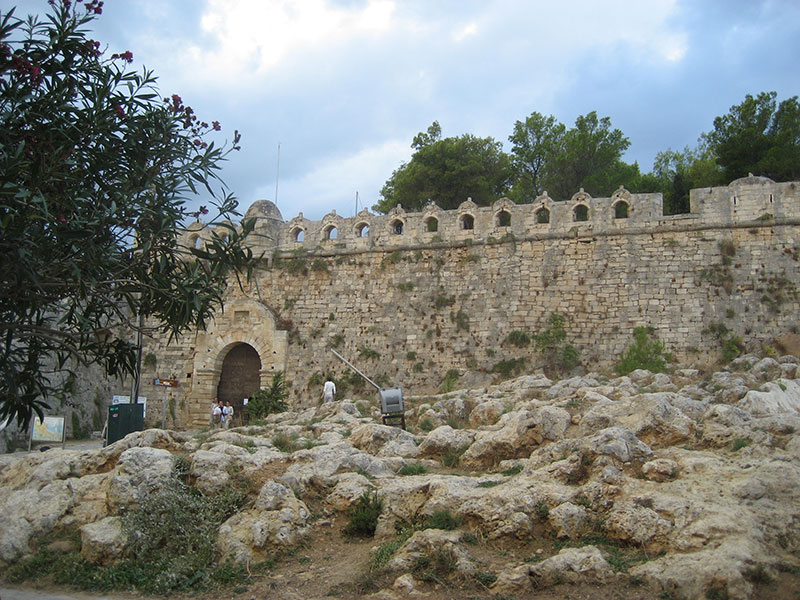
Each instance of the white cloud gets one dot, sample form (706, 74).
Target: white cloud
(333, 183)
(257, 35)
(465, 32)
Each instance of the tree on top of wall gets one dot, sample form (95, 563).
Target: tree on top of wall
(95, 172)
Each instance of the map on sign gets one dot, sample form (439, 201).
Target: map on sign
(51, 430)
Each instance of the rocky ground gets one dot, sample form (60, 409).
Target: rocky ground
(645, 486)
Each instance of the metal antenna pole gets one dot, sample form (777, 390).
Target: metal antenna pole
(277, 174)
(349, 364)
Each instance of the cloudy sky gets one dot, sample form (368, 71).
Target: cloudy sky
(344, 85)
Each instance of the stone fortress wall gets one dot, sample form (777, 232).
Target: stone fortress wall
(408, 296)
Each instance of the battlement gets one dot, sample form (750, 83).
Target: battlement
(746, 200)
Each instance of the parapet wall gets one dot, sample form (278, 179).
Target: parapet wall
(408, 304)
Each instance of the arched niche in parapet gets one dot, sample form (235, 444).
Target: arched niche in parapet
(466, 215)
(361, 229)
(502, 212)
(431, 217)
(542, 207)
(195, 241)
(298, 227)
(621, 203)
(331, 227)
(363, 224)
(580, 208)
(396, 219)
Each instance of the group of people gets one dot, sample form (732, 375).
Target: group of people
(221, 414)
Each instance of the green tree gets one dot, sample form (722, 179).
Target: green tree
(448, 171)
(675, 173)
(95, 173)
(758, 136)
(589, 157)
(535, 142)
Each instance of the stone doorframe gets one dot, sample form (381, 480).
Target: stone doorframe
(244, 321)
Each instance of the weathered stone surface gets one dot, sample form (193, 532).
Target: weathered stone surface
(619, 443)
(429, 543)
(789, 343)
(573, 565)
(443, 439)
(348, 489)
(375, 438)
(487, 413)
(103, 542)
(139, 471)
(660, 469)
(782, 396)
(631, 522)
(518, 433)
(277, 518)
(569, 520)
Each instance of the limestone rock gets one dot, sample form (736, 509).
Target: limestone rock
(486, 413)
(375, 438)
(568, 520)
(789, 343)
(277, 518)
(431, 544)
(518, 434)
(779, 397)
(444, 438)
(639, 524)
(573, 565)
(348, 489)
(619, 443)
(210, 470)
(103, 541)
(660, 469)
(139, 472)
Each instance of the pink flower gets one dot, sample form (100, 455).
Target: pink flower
(216, 126)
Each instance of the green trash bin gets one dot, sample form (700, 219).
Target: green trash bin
(124, 419)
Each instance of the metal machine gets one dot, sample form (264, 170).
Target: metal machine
(392, 405)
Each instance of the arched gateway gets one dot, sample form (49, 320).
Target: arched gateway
(236, 356)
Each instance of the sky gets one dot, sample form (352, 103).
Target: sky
(328, 94)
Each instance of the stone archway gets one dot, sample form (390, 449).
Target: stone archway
(244, 324)
(240, 376)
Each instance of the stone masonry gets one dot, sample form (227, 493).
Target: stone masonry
(409, 296)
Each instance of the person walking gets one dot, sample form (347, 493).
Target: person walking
(227, 413)
(328, 390)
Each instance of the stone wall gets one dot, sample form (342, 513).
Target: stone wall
(409, 296)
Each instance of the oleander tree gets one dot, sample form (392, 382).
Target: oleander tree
(97, 170)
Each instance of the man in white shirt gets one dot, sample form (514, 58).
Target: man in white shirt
(328, 390)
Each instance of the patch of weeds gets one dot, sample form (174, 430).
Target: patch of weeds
(368, 353)
(452, 457)
(461, 319)
(740, 443)
(284, 443)
(425, 424)
(363, 516)
(484, 578)
(759, 575)
(408, 286)
(488, 484)
(542, 510)
(646, 352)
(730, 344)
(441, 301)
(450, 380)
(520, 339)
(512, 471)
(412, 469)
(442, 519)
(336, 341)
(319, 264)
(470, 538)
(418, 368)
(509, 367)
(457, 422)
(434, 567)
(411, 356)
(582, 500)
(386, 550)
(717, 593)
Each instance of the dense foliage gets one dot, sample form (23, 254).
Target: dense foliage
(759, 136)
(95, 171)
(267, 401)
(646, 352)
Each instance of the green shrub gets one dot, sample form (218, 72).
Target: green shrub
(740, 443)
(442, 519)
(284, 443)
(461, 319)
(542, 510)
(520, 339)
(646, 352)
(267, 401)
(452, 457)
(412, 469)
(512, 470)
(450, 380)
(426, 424)
(551, 343)
(363, 516)
(319, 264)
(509, 367)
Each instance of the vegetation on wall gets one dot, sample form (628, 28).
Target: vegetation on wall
(267, 401)
(645, 352)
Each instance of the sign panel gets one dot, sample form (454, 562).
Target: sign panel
(51, 430)
(127, 400)
(166, 382)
